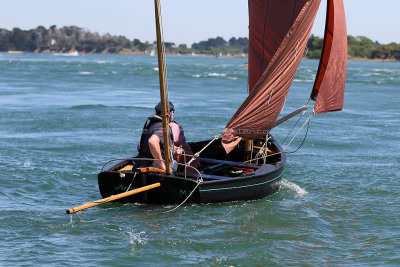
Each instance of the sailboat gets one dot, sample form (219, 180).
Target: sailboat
(245, 162)
(153, 52)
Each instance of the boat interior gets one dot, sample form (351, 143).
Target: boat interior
(215, 164)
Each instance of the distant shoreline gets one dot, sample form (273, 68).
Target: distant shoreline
(75, 53)
(75, 40)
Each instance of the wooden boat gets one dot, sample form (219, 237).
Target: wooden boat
(246, 163)
(221, 178)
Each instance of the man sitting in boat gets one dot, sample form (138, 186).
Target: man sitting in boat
(152, 142)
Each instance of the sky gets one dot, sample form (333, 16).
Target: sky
(186, 21)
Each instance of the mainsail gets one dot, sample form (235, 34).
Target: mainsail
(258, 113)
(278, 34)
(269, 23)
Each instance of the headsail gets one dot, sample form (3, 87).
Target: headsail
(330, 82)
(279, 31)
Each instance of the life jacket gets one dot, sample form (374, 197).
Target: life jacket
(153, 123)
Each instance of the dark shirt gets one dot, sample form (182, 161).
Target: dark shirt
(154, 127)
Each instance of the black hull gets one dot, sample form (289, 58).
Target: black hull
(264, 181)
(255, 187)
(173, 189)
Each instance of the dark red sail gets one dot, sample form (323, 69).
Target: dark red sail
(279, 31)
(269, 22)
(330, 82)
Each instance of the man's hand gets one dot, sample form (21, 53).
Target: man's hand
(179, 150)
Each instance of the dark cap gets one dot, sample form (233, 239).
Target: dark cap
(158, 108)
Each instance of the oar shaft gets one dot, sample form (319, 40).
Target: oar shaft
(113, 197)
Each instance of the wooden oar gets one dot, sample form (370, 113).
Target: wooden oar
(113, 197)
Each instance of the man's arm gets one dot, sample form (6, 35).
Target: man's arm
(154, 145)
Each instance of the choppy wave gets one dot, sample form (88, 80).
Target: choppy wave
(304, 80)
(208, 75)
(26, 165)
(214, 74)
(101, 106)
(66, 54)
(89, 106)
(137, 238)
(60, 127)
(373, 76)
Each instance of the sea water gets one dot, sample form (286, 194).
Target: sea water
(62, 118)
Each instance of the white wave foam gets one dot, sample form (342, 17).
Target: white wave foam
(85, 72)
(303, 80)
(300, 192)
(136, 238)
(214, 74)
(72, 54)
(386, 71)
(155, 69)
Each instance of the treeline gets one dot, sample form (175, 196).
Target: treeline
(65, 39)
(358, 47)
(72, 38)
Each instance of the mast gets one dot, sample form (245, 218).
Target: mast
(163, 95)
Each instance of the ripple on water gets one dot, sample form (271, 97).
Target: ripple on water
(63, 118)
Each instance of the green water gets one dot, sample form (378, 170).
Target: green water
(62, 118)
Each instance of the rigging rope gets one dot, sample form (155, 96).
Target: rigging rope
(305, 136)
(199, 181)
(309, 118)
(82, 220)
(187, 165)
(197, 154)
(294, 126)
(284, 150)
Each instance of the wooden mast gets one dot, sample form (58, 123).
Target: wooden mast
(163, 95)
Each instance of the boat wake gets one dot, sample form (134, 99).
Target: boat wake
(300, 192)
